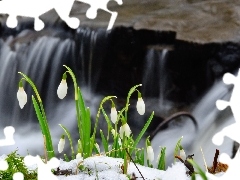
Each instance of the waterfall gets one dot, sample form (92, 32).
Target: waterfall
(41, 56)
(210, 121)
(155, 77)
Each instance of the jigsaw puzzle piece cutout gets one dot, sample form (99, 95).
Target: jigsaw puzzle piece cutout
(232, 172)
(3, 165)
(44, 170)
(231, 131)
(26, 8)
(18, 176)
(101, 4)
(235, 98)
(63, 8)
(8, 133)
(36, 8)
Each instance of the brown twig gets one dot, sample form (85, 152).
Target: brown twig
(215, 162)
(171, 118)
(134, 164)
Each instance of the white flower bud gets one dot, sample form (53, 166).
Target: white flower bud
(113, 115)
(140, 106)
(79, 156)
(22, 97)
(150, 154)
(125, 129)
(62, 89)
(61, 144)
(182, 154)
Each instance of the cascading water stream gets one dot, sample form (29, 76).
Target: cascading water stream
(154, 83)
(210, 121)
(42, 59)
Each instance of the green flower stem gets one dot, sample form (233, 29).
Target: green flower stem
(41, 117)
(98, 115)
(69, 138)
(83, 119)
(128, 98)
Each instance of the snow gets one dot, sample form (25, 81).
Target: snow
(106, 168)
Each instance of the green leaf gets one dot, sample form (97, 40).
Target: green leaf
(104, 141)
(200, 171)
(44, 128)
(162, 159)
(142, 132)
(177, 148)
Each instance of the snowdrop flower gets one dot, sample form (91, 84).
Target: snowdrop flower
(140, 105)
(182, 154)
(79, 156)
(150, 154)
(62, 88)
(125, 129)
(61, 144)
(21, 96)
(113, 114)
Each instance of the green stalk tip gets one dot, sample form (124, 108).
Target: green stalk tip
(64, 76)
(20, 84)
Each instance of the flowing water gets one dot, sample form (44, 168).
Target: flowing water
(41, 57)
(210, 121)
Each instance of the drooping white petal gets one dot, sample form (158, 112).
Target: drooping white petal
(150, 153)
(113, 115)
(79, 156)
(182, 154)
(62, 89)
(61, 145)
(22, 97)
(140, 106)
(125, 129)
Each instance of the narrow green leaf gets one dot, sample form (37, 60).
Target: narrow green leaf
(104, 141)
(142, 131)
(162, 159)
(200, 171)
(177, 148)
(44, 128)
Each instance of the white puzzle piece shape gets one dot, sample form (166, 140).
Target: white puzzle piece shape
(232, 131)
(8, 141)
(44, 170)
(36, 8)
(8, 132)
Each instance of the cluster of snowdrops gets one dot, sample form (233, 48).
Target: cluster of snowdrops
(117, 143)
